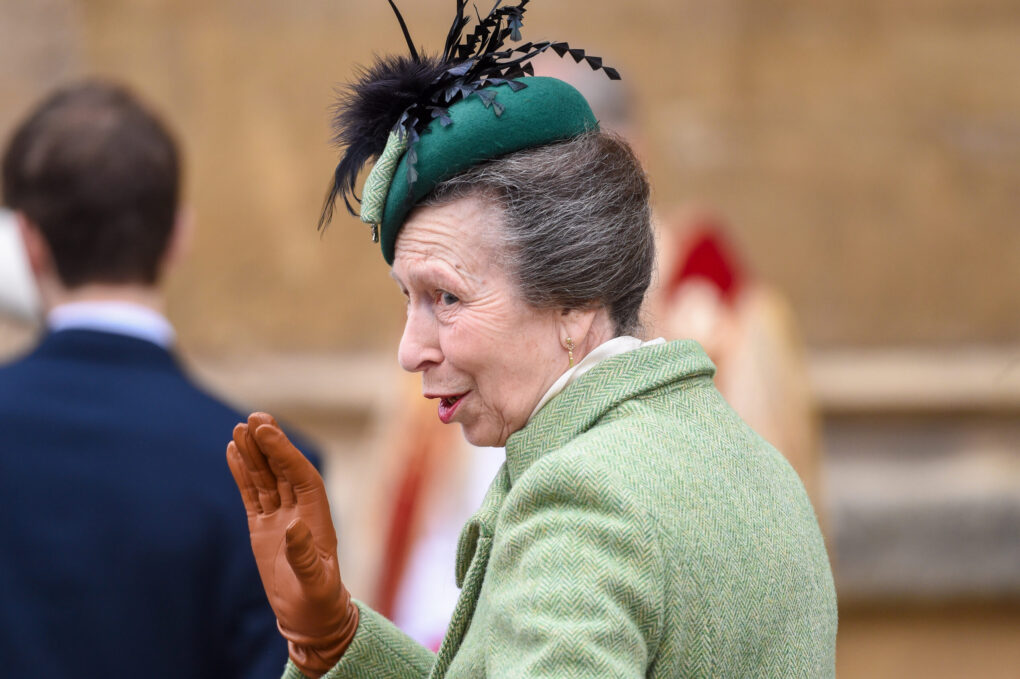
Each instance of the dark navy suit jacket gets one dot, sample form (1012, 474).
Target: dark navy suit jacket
(124, 546)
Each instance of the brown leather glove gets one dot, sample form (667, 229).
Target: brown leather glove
(294, 543)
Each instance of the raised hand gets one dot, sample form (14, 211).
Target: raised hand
(294, 543)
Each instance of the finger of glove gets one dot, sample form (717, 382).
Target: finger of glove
(258, 418)
(283, 485)
(309, 490)
(287, 497)
(304, 559)
(288, 460)
(249, 495)
(257, 468)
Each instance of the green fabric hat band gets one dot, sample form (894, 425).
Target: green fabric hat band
(377, 185)
(546, 111)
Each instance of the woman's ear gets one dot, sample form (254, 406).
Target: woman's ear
(575, 326)
(585, 328)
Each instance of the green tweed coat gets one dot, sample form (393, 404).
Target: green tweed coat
(638, 529)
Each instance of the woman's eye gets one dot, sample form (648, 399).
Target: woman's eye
(446, 299)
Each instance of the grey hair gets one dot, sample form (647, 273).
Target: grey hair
(576, 223)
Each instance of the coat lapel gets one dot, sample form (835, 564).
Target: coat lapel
(472, 560)
(573, 411)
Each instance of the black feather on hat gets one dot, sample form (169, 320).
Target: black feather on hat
(404, 94)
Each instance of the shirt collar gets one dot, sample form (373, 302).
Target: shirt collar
(121, 318)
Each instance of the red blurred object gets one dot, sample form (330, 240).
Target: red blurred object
(400, 535)
(706, 254)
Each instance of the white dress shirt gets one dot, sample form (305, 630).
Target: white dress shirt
(121, 318)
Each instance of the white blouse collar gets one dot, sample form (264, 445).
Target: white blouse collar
(615, 346)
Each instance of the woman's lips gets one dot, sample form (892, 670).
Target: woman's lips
(448, 405)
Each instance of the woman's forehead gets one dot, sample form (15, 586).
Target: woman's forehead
(462, 234)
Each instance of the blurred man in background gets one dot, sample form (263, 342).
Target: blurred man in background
(100, 575)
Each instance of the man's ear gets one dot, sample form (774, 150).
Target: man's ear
(179, 244)
(40, 258)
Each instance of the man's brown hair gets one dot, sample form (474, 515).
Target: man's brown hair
(98, 174)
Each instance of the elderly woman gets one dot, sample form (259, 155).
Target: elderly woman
(638, 527)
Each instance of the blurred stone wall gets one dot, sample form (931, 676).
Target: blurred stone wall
(866, 152)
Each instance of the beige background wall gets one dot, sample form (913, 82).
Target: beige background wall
(866, 152)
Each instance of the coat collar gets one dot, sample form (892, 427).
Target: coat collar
(99, 348)
(613, 381)
(572, 412)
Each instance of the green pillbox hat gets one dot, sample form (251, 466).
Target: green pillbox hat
(546, 111)
(425, 119)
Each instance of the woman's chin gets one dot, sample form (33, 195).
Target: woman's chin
(483, 437)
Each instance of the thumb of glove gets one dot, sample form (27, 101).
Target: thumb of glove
(303, 557)
(322, 628)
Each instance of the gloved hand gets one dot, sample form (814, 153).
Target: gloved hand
(294, 543)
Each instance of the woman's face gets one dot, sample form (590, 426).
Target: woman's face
(485, 355)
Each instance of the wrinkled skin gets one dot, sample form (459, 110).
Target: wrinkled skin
(469, 332)
(294, 543)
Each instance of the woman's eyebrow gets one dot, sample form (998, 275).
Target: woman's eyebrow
(442, 276)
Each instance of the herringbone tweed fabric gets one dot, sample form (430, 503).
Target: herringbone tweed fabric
(638, 529)
(377, 184)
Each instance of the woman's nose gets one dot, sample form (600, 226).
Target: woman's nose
(419, 345)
